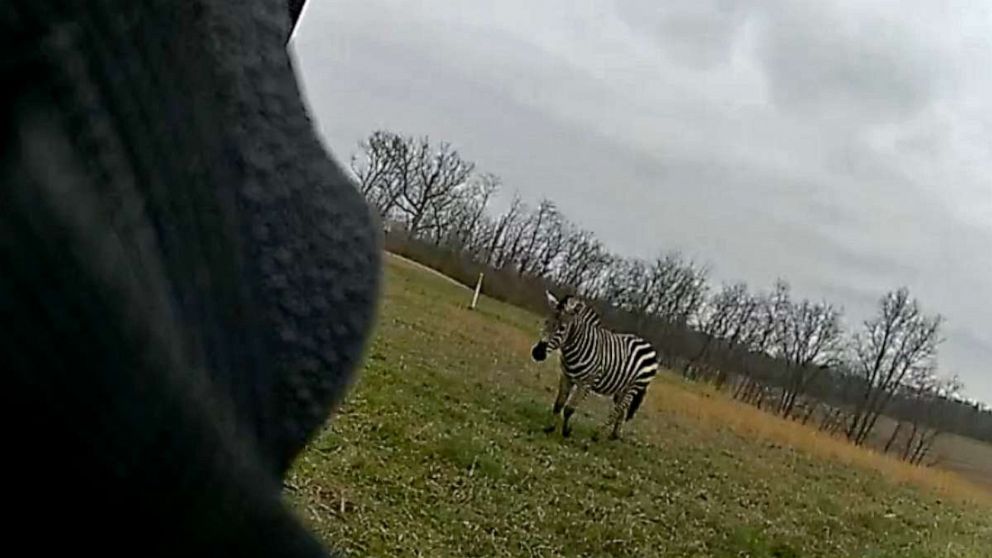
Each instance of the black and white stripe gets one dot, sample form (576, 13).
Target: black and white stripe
(593, 358)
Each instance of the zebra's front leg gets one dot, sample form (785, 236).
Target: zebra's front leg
(565, 387)
(577, 396)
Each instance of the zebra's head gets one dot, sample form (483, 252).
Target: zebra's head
(556, 327)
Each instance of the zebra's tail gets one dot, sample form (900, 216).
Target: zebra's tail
(635, 403)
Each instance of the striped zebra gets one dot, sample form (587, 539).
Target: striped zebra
(593, 358)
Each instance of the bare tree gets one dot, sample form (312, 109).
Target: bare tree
(582, 262)
(518, 226)
(499, 230)
(681, 286)
(627, 286)
(809, 342)
(380, 169)
(541, 240)
(728, 319)
(843, 388)
(719, 312)
(458, 223)
(670, 287)
(773, 310)
(483, 188)
(923, 393)
(833, 419)
(552, 245)
(895, 343)
(430, 183)
(761, 333)
(603, 284)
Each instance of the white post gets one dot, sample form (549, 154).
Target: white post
(478, 288)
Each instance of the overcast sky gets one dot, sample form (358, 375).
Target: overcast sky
(845, 146)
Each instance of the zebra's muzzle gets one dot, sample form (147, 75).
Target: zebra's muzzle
(540, 351)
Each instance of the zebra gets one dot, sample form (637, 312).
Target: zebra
(593, 358)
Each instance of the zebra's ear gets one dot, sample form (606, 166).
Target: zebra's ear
(552, 301)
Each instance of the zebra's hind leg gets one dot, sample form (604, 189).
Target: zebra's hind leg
(565, 387)
(621, 403)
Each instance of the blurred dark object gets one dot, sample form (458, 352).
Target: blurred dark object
(186, 279)
(295, 10)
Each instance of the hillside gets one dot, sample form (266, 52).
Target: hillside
(438, 451)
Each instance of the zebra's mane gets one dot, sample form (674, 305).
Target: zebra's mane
(585, 311)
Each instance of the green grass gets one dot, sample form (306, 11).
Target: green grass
(438, 451)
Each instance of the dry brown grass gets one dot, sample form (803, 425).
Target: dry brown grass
(967, 457)
(715, 410)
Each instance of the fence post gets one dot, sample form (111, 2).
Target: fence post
(478, 288)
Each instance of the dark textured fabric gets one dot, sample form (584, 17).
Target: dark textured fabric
(186, 279)
(295, 10)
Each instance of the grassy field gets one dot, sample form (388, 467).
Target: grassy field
(439, 451)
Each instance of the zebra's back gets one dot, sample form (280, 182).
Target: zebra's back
(624, 360)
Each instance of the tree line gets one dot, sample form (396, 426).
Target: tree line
(789, 355)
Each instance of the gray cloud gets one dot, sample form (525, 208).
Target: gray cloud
(842, 63)
(845, 147)
(699, 33)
